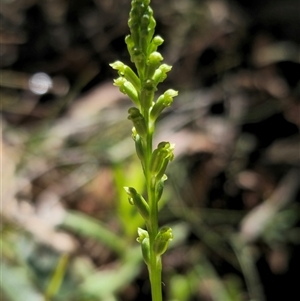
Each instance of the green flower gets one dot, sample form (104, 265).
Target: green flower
(138, 121)
(127, 88)
(138, 146)
(160, 73)
(162, 239)
(161, 156)
(153, 63)
(156, 41)
(162, 102)
(140, 203)
(128, 73)
(143, 239)
(160, 187)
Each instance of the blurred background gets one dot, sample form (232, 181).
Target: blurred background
(232, 198)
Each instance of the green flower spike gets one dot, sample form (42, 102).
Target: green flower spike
(140, 85)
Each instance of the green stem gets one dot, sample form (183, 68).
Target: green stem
(155, 277)
(154, 266)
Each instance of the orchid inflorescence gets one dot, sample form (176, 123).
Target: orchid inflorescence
(140, 87)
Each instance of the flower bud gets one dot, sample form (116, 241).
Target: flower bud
(128, 73)
(137, 8)
(149, 85)
(127, 88)
(137, 55)
(142, 235)
(151, 26)
(134, 30)
(130, 45)
(138, 145)
(140, 203)
(162, 239)
(119, 66)
(138, 121)
(156, 41)
(143, 239)
(160, 73)
(160, 158)
(163, 168)
(153, 63)
(154, 58)
(144, 40)
(145, 20)
(162, 102)
(147, 93)
(160, 187)
(152, 23)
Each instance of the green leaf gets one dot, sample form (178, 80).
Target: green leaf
(57, 277)
(90, 227)
(108, 282)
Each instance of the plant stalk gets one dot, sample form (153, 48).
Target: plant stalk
(154, 266)
(141, 87)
